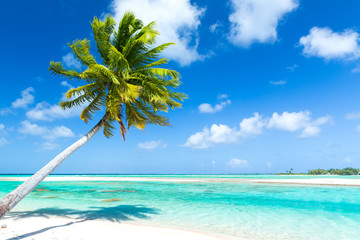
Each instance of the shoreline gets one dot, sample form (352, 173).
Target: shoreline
(44, 228)
(310, 181)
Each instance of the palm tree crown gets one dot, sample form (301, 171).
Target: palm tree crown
(128, 83)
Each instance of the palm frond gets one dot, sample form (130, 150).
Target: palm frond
(95, 105)
(57, 68)
(102, 33)
(130, 84)
(127, 27)
(108, 129)
(81, 49)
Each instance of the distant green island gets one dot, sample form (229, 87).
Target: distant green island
(331, 171)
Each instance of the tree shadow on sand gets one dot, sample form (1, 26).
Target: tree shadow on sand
(115, 214)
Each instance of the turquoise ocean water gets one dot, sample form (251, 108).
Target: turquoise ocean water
(236, 210)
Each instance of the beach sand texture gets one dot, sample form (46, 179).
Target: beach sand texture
(311, 181)
(59, 228)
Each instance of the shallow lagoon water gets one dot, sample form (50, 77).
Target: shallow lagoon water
(236, 210)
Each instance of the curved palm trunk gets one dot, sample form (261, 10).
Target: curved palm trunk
(13, 198)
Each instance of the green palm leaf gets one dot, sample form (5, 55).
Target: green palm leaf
(130, 85)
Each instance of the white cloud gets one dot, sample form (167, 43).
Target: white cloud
(352, 116)
(250, 127)
(151, 145)
(46, 112)
(45, 132)
(268, 164)
(177, 21)
(223, 96)
(292, 68)
(215, 27)
(294, 121)
(3, 141)
(66, 84)
(26, 99)
(358, 128)
(238, 163)
(2, 126)
(257, 20)
(289, 121)
(32, 129)
(223, 134)
(310, 131)
(217, 134)
(324, 43)
(6, 111)
(207, 108)
(281, 82)
(70, 61)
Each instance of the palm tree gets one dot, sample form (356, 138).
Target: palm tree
(128, 86)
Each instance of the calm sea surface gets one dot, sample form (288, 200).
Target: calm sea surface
(236, 210)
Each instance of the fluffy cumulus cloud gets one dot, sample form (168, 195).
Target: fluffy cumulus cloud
(295, 121)
(70, 61)
(257, 20)
(151, 145)
(289, 121)
(324, 43)
(253, 126)
(223, 134)
(217, 134)
(177, 21)
(29, 128)
(46, 112)
(238, 163)
(207, 108)
(26, 99)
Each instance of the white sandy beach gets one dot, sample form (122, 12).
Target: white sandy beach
(314, 181)
(41, 228)
(311, 181)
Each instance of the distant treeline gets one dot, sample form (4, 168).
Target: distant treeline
(332, 171)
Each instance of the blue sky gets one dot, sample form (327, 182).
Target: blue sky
(271, 86)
